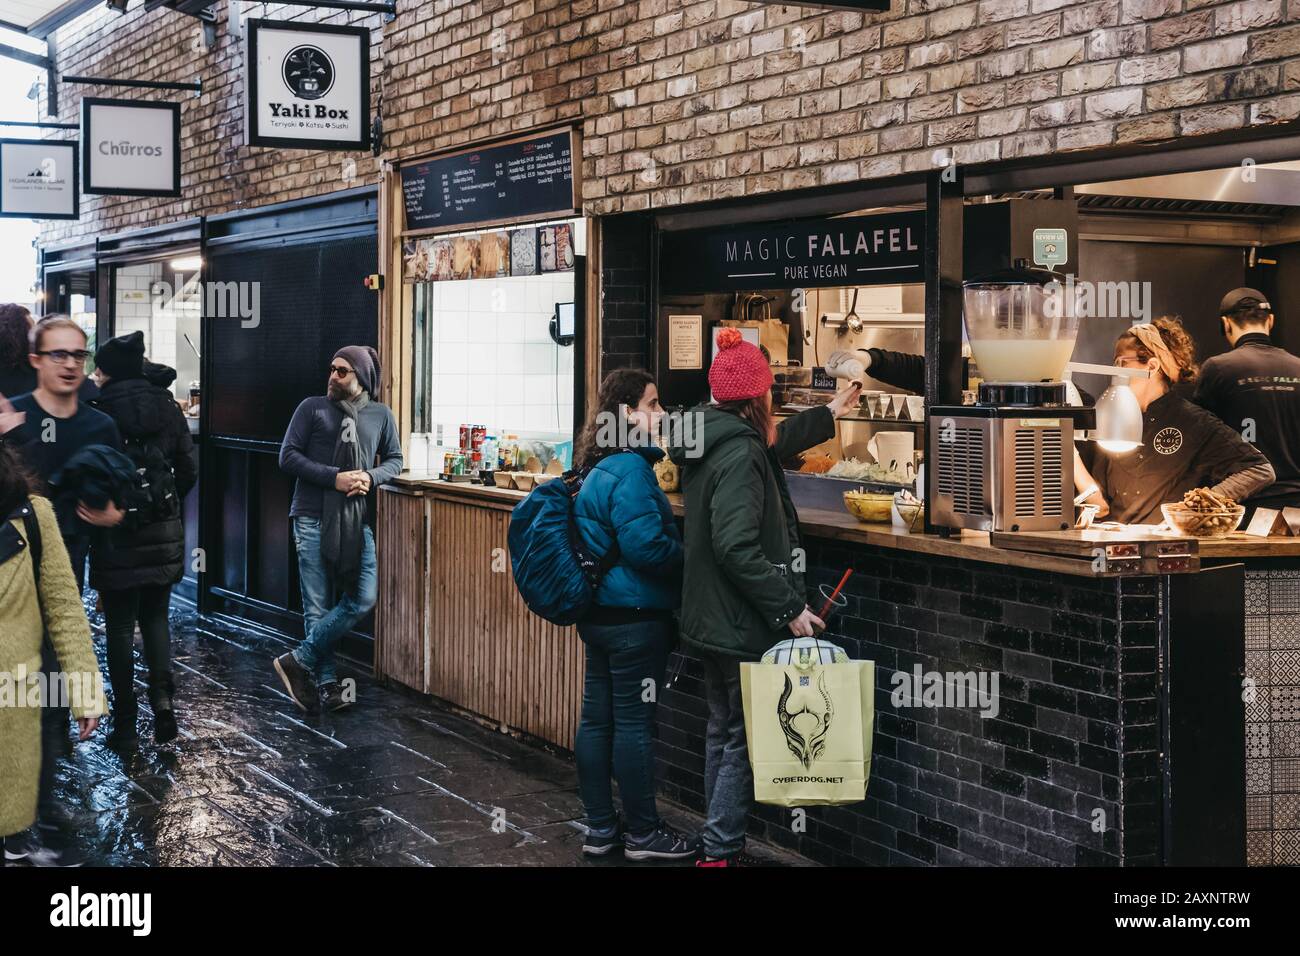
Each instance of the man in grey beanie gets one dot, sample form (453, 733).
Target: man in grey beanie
(339, 447)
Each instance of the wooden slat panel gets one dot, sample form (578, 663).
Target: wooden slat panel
(399, 613)
(487, 652)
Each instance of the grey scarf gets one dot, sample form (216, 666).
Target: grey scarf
(343, 517)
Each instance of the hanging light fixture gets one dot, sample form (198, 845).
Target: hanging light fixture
(1119, 416)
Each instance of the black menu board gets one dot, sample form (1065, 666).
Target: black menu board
(522, 178)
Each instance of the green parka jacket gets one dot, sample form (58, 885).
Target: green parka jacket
(741, 530)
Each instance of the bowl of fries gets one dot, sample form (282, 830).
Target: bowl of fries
(1204, 514)
(868, 506)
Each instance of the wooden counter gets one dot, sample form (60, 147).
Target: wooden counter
(449, 621)
(970, 545)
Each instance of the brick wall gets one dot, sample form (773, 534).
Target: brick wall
(1077, 729)
(219, 172)
(625, 293)
(683, 102)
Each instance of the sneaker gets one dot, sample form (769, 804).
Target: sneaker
(331, 696)
(296, 681)
(661, 843)
(164, 725)
(602, 842)
(28, 847)
(123, 736)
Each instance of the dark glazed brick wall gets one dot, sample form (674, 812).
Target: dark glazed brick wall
(1077, 730)
(625, 292)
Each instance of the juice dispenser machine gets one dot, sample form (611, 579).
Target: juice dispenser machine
(1006, 463)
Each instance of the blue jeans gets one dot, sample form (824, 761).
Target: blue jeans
(323, 625)
(616, 732)
(728, 780)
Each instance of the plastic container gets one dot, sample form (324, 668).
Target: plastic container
(1020, 325)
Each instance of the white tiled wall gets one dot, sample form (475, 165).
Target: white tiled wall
(493, 360)
(163, 326)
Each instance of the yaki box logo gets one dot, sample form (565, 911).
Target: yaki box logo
(308, 72)
(309, 86)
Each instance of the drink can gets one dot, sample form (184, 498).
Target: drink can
(466, 433)
(478, 434)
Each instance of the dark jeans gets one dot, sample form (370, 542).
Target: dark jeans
(617, 729)
(728, 781)
(122, 609)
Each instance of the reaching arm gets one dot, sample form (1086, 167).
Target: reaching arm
(1231, 465)
(801, 432)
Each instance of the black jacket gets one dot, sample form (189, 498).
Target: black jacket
(1256, 386)
(138, 554)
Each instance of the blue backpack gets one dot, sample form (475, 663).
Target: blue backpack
(555, 576)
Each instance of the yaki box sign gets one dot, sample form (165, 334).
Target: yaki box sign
(307, 86)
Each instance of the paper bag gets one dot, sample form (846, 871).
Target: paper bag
(773, 335)
(809, 727)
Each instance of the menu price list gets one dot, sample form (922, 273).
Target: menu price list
(525, 178)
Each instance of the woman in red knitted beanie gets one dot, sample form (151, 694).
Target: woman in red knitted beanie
(744, 587)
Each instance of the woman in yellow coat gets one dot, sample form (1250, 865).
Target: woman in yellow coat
(22, 625)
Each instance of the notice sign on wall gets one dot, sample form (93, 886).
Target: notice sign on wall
(130, 148)
(307, 85)
(38, 180)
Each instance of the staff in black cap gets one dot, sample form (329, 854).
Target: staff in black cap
(1255, 389)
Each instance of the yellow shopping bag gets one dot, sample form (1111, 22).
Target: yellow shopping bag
(809, 728)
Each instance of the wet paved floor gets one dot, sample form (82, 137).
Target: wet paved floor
(252, 781)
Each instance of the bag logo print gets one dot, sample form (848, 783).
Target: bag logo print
(805, 747)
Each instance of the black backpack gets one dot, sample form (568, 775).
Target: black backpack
(154, 496)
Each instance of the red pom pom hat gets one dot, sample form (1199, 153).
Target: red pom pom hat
(740, 371)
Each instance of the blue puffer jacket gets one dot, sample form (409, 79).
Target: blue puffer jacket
(621, 496)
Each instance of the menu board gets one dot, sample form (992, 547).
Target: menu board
(531, 176)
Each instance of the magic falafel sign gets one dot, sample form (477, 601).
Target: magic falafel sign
(307, 86)
(38, 179)
(884, 249)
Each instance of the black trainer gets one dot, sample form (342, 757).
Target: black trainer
(331, 696)
(603, 842)
(123, 736)
(661, 843)
(164, 724)
(296, 681)
(30, 848)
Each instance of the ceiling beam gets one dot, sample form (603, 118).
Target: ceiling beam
(35, 59)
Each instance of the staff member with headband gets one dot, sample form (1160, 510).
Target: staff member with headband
(1183, 446)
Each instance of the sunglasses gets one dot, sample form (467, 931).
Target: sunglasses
(340, 371)
(62, 356)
